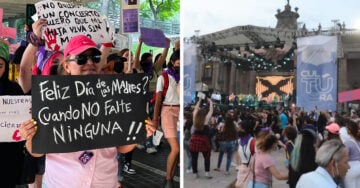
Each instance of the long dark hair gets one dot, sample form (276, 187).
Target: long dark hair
(174, 56)
(229, 131)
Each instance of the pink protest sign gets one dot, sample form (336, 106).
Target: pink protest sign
(6, 31)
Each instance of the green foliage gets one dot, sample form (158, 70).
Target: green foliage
(162, 10)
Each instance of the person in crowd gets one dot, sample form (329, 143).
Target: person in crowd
(321, 122)
(169, 108)
(134, 62)
(152, 69)
(264, 167)
(12, 157)
(283, 119)
(343, 132)
(115, 65)
(332, 131)
(308, 124)
(246, 151)
(37, 61)
(97, 173)
(228, 139)
(302, 159)
(188, 122)
(289, 134)
(352, 178)
(200, 139)
(332, 158)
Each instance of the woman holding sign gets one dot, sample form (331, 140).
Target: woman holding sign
(85, 169)
(12, 157)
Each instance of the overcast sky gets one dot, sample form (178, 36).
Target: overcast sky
(214, 15)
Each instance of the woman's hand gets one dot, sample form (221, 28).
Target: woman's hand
(28, 129)
(151, 127)
(38, 25)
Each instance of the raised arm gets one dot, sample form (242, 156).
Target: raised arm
(209, 114)
(162, 59)
(136, 64)
(29, 58)
(196, 109)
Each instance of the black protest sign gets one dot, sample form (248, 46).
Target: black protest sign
(77, 113)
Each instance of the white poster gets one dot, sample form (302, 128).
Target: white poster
(13, 111)
(65, 20)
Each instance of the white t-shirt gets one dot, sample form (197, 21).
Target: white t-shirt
(172, 96)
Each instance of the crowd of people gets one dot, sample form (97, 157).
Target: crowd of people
(81, 56)
(321, 147)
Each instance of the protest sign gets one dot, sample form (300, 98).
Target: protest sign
(130, 20)
(77, 113)
(130, 16)
(154, 37)
(65, 20)
(6, 31)
(13, 111)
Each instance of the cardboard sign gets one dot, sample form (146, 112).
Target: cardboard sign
(154, 37)
(65, 20)
(13, 111)
(77, 113)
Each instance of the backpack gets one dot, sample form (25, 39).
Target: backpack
(165, 88)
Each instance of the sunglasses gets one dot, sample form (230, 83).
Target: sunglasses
(82, 59)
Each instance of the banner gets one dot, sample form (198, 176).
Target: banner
(317, 73)
(13, 111)
(66, 20)
(190, 62)
(347, 96)
(75, 113)
(130, 16)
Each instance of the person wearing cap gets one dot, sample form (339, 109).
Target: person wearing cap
(332, 158)
(64, 169)
(12, 156)
(352, 178)
(332, 131)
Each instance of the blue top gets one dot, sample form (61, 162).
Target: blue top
(284, 120)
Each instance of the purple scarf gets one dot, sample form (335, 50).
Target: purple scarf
(245, 140)
(173, 74)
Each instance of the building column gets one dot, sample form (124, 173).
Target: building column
(232, 79)
(342, 82)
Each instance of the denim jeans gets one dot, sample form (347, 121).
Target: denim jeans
(188, 154)
(149, 142)
(228, 147)
(120, 164)
(257, 185)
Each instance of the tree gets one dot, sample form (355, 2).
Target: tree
(159, 10)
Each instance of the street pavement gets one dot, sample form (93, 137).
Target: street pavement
(220, 180)
(150, 169)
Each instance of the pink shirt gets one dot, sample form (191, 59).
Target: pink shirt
(65, 170)
(262, 162)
